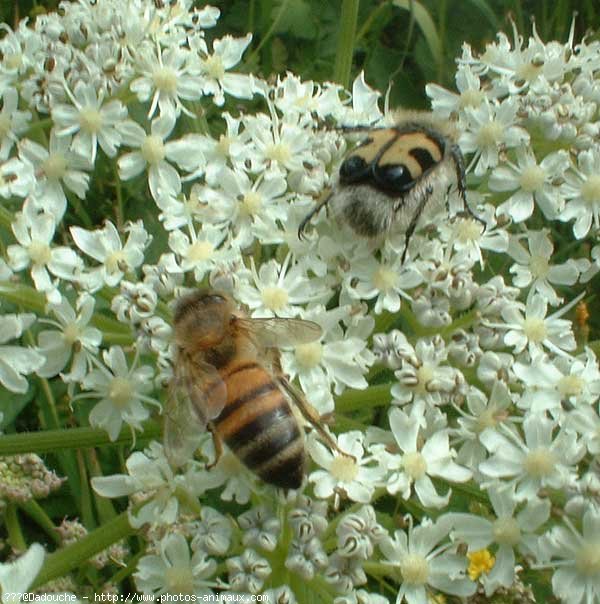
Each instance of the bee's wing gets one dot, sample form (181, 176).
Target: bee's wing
(276, 332)
(197, 395)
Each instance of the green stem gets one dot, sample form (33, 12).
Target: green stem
(71, 438)
(37, 513)
(65, 560)
(13, 528)
(362, 32)
(346, 41)
(373, 396)
(254, 54)
(119, 216)
(24, 296)
(6, 217)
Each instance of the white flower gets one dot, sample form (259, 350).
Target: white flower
(532, 182)
(417, 464)
(16, 361)
(122, 392)
(535, 330)
(153, 480)
(471, 93)
(248, 571)
(338, 358)
(17, 576)
(92, 121)
(562, 380)
(533, 266)
(540, 460)
(54, 167)
(16, 178)
(508, 531)
(490, 128)
(217, 81)
(387, 279)
(73, 336)
(279, 289)
(152, 152)
(483, 412)
(104, 245)
(167, 77)
(34, 233)
(423, 376)
(12, 121)
(574, 556)
(173, 571)
(352, 473)
(420, 563)
(201, 252)
(582, 191)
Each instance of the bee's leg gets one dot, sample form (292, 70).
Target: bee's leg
(312, 213)
(218, 444)
(459, 163)
(311, 415)
(414, 220)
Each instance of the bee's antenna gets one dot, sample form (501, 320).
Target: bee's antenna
(312, 213)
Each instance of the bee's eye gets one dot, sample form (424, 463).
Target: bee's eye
(393, 177)
(353, 169)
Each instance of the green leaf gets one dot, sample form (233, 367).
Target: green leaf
(12, 403)
(296, 18)
(426, 24)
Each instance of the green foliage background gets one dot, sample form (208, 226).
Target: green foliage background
(405, 42)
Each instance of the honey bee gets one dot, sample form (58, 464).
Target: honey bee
(395, 176)
(228, 379)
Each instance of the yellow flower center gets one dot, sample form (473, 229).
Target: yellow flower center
(539, 266)
(39, 252)
(344, 468)
(415, 465)
(90, 120)
(570, 385)
(55, 166)
(165, 80)
(425, 374)
(213, 66)
(532, 178)
(120, 392)
(385, 279)
(471, 98)
(590, 190)
(251, 203)
(540, 462)
(223, 145)
(115, 261)
(71, 333)
(468, 230)
(309, 355)
(414, 569)
(535, 329)
(506, 531)
(279, 152)
(274, 298)
(153, 149)
(587, 560)
(5, 124)
(480, 562)
(490, 134)
(200, 250)
(180, 580)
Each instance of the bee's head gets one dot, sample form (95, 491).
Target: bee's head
(201, 319)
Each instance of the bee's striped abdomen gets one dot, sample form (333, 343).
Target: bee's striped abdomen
(258, 425)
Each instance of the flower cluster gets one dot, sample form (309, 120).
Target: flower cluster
(138, 160)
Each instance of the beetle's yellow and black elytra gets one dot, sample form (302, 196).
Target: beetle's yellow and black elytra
(395, 176)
